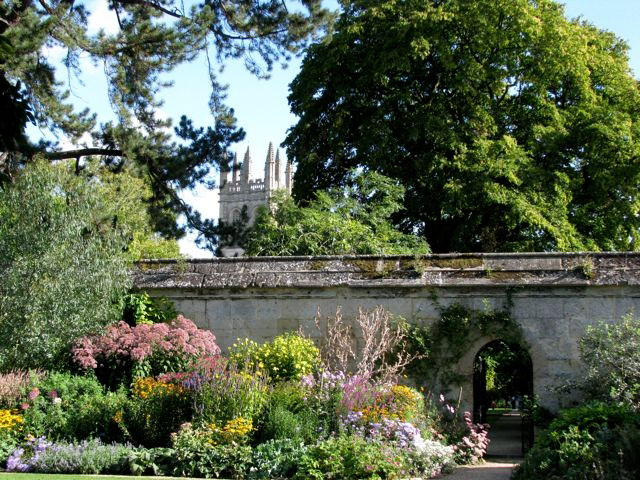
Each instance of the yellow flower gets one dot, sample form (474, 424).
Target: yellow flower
(10, 420)
(144, 387)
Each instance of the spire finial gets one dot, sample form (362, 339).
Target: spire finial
(246, 166)
(234, 173)
(277, 168)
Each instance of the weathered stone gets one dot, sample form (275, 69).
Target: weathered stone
(554, 297)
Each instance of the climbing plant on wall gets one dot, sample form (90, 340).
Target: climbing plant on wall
(443, 343)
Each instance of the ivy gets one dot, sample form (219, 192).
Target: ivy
(443, 343)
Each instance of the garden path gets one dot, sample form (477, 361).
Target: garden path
(495, 469)
(505, 451)
(505, 435)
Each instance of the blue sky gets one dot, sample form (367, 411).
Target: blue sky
(261, 105)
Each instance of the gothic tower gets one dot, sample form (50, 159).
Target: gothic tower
(243, 191)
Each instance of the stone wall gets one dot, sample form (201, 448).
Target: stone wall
(555, 296)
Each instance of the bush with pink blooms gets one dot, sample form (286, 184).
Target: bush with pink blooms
(123, 352)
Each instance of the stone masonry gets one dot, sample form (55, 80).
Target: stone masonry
(555, 296)
(243, 191)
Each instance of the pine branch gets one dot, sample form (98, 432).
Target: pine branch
(83, 152)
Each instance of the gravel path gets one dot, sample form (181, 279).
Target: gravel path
(496, 469)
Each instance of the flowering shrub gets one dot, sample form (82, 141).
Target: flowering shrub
(11, 425)
(144, 387)
(405, 403)
(288, 357)
(22, 459)
(14, 384)
(430, 458)
(470, 440)
(88, 457)
(10, 420)
(71, 407)
(475, 443)
(222, 395)
(146, 349)
(235, 431)
(156, 408)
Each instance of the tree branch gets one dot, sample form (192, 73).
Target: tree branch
(83, 152)
(156, 6)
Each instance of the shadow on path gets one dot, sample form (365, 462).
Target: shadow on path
(505, 435)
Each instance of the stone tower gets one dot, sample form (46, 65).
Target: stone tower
(243, 190)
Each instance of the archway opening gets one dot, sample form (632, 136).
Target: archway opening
(502, 379)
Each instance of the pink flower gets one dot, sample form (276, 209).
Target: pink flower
(24, 406)
(53, 394)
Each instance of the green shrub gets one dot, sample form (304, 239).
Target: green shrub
(592, 442)
(290, 415)
(276, 459)
(155, 410)
(72, 407)
(140, 308)
(612, 356)
(301, 426)
(288, 357)
(195, 456)
(351, 457)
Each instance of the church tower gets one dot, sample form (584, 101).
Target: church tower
(243, 191)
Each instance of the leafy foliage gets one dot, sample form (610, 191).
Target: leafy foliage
(511, 127)
(62, 264)
(287, 357)
(335, 222)
(152, 39)
(140, 308)
(591, 442)
(611, 353)
(349, 457)
(70, 407)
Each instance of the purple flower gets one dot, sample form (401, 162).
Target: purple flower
(33, 394)
(15, 463)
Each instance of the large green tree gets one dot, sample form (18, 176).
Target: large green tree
(154, 37)
(351, 220)
(511, 127)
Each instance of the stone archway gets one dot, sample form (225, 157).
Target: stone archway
(502, 379)
(509, 367)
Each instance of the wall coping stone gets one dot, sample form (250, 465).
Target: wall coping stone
(577, 269)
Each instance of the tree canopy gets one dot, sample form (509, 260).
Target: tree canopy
(154, 36)
(511, 127)
(351, 220)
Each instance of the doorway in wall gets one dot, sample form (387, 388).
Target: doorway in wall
(502, 379)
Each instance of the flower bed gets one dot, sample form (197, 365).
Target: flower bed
(160, 399)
